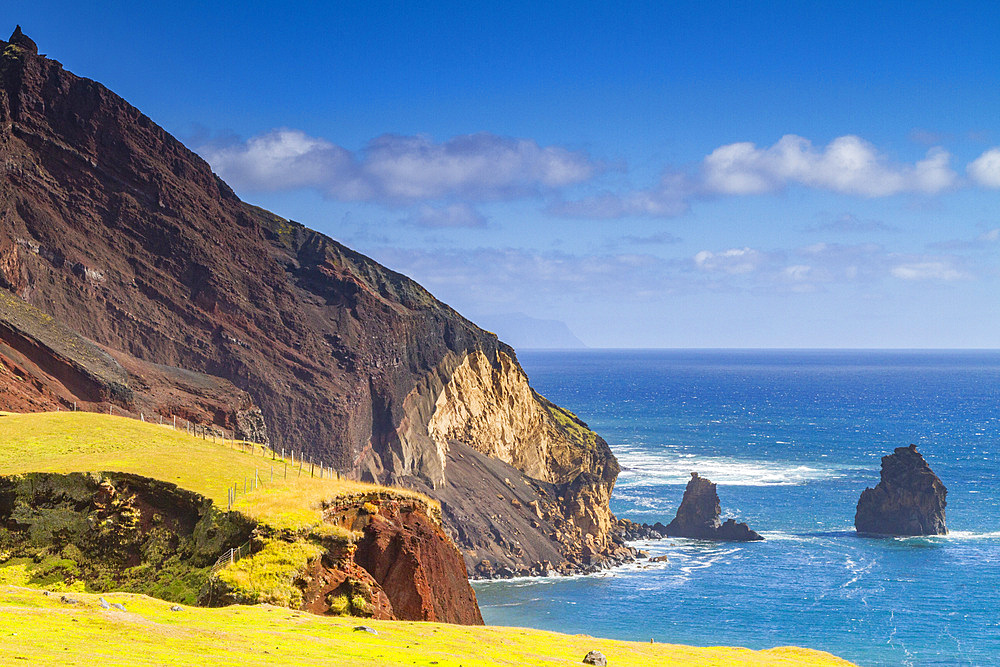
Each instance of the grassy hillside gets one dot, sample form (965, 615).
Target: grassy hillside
(42, 630)
(64, 442)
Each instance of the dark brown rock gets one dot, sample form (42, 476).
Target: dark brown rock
(698, 516)
(20, 40)
(908, 500)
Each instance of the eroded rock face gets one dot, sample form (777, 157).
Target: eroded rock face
(417, 566)
(403, 551)
(113, 228)
(908, 500)
(698, 516)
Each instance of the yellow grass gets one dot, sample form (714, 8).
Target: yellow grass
(41, 630)
(64, 442)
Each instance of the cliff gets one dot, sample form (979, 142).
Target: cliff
(908, 500)
(211, 308)
(327, 546)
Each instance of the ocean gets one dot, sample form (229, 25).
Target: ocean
(791, 438)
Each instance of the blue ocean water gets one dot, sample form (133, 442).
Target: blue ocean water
(791, 438)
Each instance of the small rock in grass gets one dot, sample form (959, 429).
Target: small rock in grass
(68, 600)
(365, 628)
(104, 603)
(176, 608)
(595, 658)
(118, 606)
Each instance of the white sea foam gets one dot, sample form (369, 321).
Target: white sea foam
(954, 535)
(668, 467)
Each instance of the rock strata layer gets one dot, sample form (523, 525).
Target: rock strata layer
(698, 516)
(186, 298)
(908, 500)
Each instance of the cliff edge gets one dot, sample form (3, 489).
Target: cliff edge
(113, 229)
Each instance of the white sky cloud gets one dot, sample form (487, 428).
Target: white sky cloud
(933, 270)
(732, 261)
(451, 215)
(668, 199)
(848, 165)
(397, 169)
(985, 170)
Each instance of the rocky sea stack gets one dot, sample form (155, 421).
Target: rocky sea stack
(909, 500)
(698, 516)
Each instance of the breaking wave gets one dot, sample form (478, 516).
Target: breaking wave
(640, 468)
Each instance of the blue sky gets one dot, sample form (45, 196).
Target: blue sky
(747, 174)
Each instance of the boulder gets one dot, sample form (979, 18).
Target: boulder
(595, 658)
(698, 516)
(908, 500)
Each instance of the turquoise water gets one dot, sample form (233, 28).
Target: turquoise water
(791, 438)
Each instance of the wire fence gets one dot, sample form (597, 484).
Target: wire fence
(233, 555)
(298, 463)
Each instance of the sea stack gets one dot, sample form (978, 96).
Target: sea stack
(909, 500)
(698, 516)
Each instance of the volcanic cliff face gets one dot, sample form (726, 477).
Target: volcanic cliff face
(908, 500)
(211, 308)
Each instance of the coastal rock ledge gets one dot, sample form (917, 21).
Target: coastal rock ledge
(698, 516)
(909, 499)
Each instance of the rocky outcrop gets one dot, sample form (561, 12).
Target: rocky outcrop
(417, 566)
(378, 555)
(114, 229)
(908, 500)
(698, 516)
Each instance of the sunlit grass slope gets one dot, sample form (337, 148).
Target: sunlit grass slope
(64, 442)
(42, 630)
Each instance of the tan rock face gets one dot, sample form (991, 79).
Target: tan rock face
(493, 409)
(490, 407)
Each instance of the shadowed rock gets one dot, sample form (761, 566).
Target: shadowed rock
(698, 516)
(18, 38)
(909, 499)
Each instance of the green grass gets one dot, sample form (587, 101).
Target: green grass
(39, 629)
(269, 575)
(64, 442)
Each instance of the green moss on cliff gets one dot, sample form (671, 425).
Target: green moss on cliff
(574, 428)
